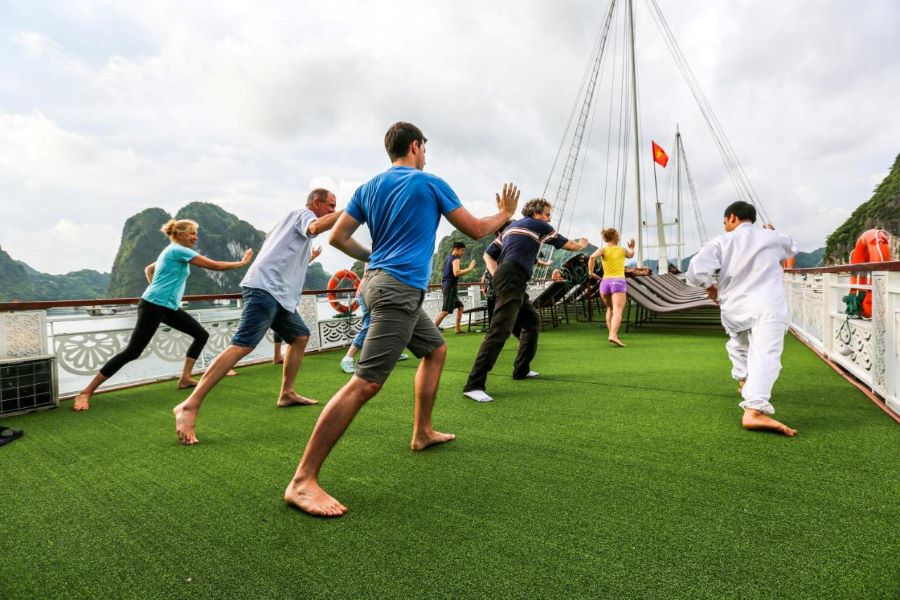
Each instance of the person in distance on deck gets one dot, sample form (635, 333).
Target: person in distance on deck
(613, 286)
(450, 275)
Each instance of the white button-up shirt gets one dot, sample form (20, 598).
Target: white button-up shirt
(751, 279)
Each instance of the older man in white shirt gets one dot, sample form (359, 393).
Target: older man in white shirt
(750, 293)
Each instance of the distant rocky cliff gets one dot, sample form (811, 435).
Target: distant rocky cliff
(19, 282)
(881, 211)
(221, 236)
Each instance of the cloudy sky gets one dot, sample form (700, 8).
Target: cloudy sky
(108, 108)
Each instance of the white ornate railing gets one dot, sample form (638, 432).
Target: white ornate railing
(82, 343)
(867, 348)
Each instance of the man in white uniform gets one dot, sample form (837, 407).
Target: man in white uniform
(755, 314)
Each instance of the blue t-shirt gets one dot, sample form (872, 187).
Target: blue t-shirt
(170, 276)
(447, 277)
(402, 208)
(521, 240)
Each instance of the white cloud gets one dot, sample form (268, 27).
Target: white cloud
(113, 109)
(63, 247)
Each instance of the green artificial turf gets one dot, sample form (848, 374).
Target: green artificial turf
(619, 473)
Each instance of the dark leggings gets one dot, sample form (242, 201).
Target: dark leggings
(149, 317)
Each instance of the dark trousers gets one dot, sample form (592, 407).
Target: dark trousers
(512, 311)
(149, 317)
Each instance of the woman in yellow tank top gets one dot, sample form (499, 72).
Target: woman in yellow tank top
(612, 286)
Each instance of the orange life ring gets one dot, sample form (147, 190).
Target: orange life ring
(334, 282)
(871, 246)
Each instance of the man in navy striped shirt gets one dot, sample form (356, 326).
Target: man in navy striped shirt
(515, 252)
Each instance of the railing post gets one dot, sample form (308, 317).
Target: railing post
(889, 313)
(828, 302)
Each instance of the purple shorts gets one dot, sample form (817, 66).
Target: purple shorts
(613, 285)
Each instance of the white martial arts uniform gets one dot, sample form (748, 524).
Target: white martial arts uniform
(751, 297)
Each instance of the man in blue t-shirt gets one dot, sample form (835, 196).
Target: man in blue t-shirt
(402, 208)
(449, 285)
(515, 252)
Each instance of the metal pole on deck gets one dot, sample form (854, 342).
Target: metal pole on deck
(679, 234)
(634, 121)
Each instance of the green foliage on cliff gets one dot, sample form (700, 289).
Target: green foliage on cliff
(19, 282)
(807, 260)
(85, 284)
(881, 211)
(14, 283)
(316, 277)
(221, 236)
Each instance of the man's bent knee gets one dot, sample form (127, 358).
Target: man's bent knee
(240, 350)
(438, 353)
(367, 389)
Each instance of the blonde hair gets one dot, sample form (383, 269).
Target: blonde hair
(609, 235)
(173, 227)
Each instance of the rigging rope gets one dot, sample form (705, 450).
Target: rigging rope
(733, 164)
(701, 228)
(568, 172)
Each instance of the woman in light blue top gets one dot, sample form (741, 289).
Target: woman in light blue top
(161, 303)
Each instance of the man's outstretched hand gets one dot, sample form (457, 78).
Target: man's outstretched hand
(508, 199)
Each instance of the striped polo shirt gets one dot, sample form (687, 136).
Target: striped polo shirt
(521, 240)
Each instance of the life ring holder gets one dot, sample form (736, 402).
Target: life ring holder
(871, 246)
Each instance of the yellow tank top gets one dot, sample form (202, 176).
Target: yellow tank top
(613, 261)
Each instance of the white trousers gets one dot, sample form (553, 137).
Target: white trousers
(755, 356)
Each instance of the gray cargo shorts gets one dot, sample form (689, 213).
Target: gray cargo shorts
(398, 322)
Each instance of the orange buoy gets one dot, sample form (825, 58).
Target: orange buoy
(334, 282)
(871, 246)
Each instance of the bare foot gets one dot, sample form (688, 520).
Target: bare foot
(187, 383)
(185, 418)
(757, 420)
(294, 399)
(458, 331)
(231, 373)
(277, 360)
(422, 441)
(616, 342)
(82, 402)
(313, 500)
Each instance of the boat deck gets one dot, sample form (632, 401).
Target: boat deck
(618, 473)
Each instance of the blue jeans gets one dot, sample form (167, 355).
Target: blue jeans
(364, 327)
(262, 312)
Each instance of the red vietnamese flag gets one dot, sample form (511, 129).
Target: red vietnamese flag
(660, 156)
